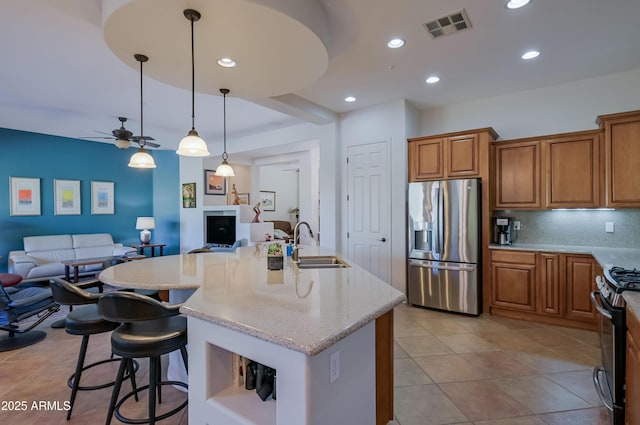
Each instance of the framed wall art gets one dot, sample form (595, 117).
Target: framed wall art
(25, 196)
(244, 198)
(214, 185)
(66, 197)
(102, 198)
(188, 195)
(268, 200)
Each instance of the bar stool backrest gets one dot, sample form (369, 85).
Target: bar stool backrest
(128, 307)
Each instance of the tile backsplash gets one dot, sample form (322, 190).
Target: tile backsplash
(577, 227)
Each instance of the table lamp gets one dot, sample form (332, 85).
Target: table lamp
(144, 224)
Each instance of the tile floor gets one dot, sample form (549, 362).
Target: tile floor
(449, 369)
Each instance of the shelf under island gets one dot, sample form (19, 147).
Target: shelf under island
(328, 333)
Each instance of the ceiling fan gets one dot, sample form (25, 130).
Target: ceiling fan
(124, 137)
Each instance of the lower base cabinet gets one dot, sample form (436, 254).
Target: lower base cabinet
(545, 286)
(632, 378)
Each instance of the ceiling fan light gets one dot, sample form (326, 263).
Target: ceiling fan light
(192, 145)
(224, 169)
(142, 159)
(122, 143)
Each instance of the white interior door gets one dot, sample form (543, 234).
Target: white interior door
(369, 208)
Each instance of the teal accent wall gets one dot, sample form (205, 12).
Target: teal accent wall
(137, 192)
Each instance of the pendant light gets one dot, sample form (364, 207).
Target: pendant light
(141, 159)
(224, 169)
(192, 144)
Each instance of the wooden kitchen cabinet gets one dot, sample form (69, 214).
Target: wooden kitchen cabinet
(517, 174)
(513, 278)
(632, 373)
(426, 159)
(622, 158)
(580, 278)
(451, 155)
(549, 283)
(549, 287)
(572, 170)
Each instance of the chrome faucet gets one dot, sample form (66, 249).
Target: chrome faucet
(296, 237)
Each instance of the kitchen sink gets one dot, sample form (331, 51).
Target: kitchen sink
(321, 262)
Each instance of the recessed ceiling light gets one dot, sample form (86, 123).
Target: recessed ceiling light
(227, 62)
(531, 54)
(516, 4)
(349, 99)
(395, 43)
(433, 79)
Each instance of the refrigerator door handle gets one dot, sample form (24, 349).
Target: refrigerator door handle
(441, 266)
(437, 232)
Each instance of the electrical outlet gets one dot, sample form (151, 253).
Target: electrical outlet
(516, 225)
(608, 227)
(334, 367)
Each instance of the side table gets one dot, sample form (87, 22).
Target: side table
(142, 246)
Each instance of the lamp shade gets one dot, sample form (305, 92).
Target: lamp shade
(145, 223)
(224, 170)
(192, 145)
(142, 159)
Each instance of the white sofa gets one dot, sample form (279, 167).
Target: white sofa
(43, 255)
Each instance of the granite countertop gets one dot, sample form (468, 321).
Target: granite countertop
(304, 310)
(628, 258)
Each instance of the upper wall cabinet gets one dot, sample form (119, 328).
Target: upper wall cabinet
(557, 171)
(572, 170)
(517, 174)
(452, 155)
(622, 158)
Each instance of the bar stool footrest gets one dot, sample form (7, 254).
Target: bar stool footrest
(101, 386)
(126, 420)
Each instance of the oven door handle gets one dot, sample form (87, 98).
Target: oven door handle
(606, 313)
(596, 380)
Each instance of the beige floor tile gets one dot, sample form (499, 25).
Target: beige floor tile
(540, 394)
(509, 339)
(584, 354)
(408, 327)
(594, 416)
(580, 383)
(523, 420)
(425, 405)
(467, 343)
(480, 400)
(407, 372)
(441, 326)
(425, 345)
(544, 361)
(469, 367)
(398, 352)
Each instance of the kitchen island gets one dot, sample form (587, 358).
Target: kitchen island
(328, 332)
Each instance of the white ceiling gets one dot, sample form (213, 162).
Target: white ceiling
(59, 76)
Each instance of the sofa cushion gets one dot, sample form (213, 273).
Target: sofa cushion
(47, 243)
(92, 239)
(46, 270)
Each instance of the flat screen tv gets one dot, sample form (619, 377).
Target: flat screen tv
(220, 229)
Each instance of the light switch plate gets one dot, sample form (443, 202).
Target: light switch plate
(334, 367)
(608, 227)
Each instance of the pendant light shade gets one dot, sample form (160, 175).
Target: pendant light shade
(192, 144)
(141, 159)
(224, 169)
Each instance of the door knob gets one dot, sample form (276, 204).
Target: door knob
(383, 240)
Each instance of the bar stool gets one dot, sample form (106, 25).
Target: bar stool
(149, 329)
(85, 321)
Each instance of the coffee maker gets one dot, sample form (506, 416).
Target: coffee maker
(502, 230)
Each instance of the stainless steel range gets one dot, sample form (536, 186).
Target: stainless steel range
(609, 377)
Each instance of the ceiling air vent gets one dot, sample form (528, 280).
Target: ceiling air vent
(450, 24)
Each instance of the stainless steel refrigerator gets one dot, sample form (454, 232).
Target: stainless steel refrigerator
(444, 245)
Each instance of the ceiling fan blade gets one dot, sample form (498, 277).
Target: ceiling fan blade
(98, 137)
(151, 144)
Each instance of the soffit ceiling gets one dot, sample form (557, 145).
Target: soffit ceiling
(64, 74)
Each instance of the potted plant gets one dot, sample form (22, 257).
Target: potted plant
(274, 257)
